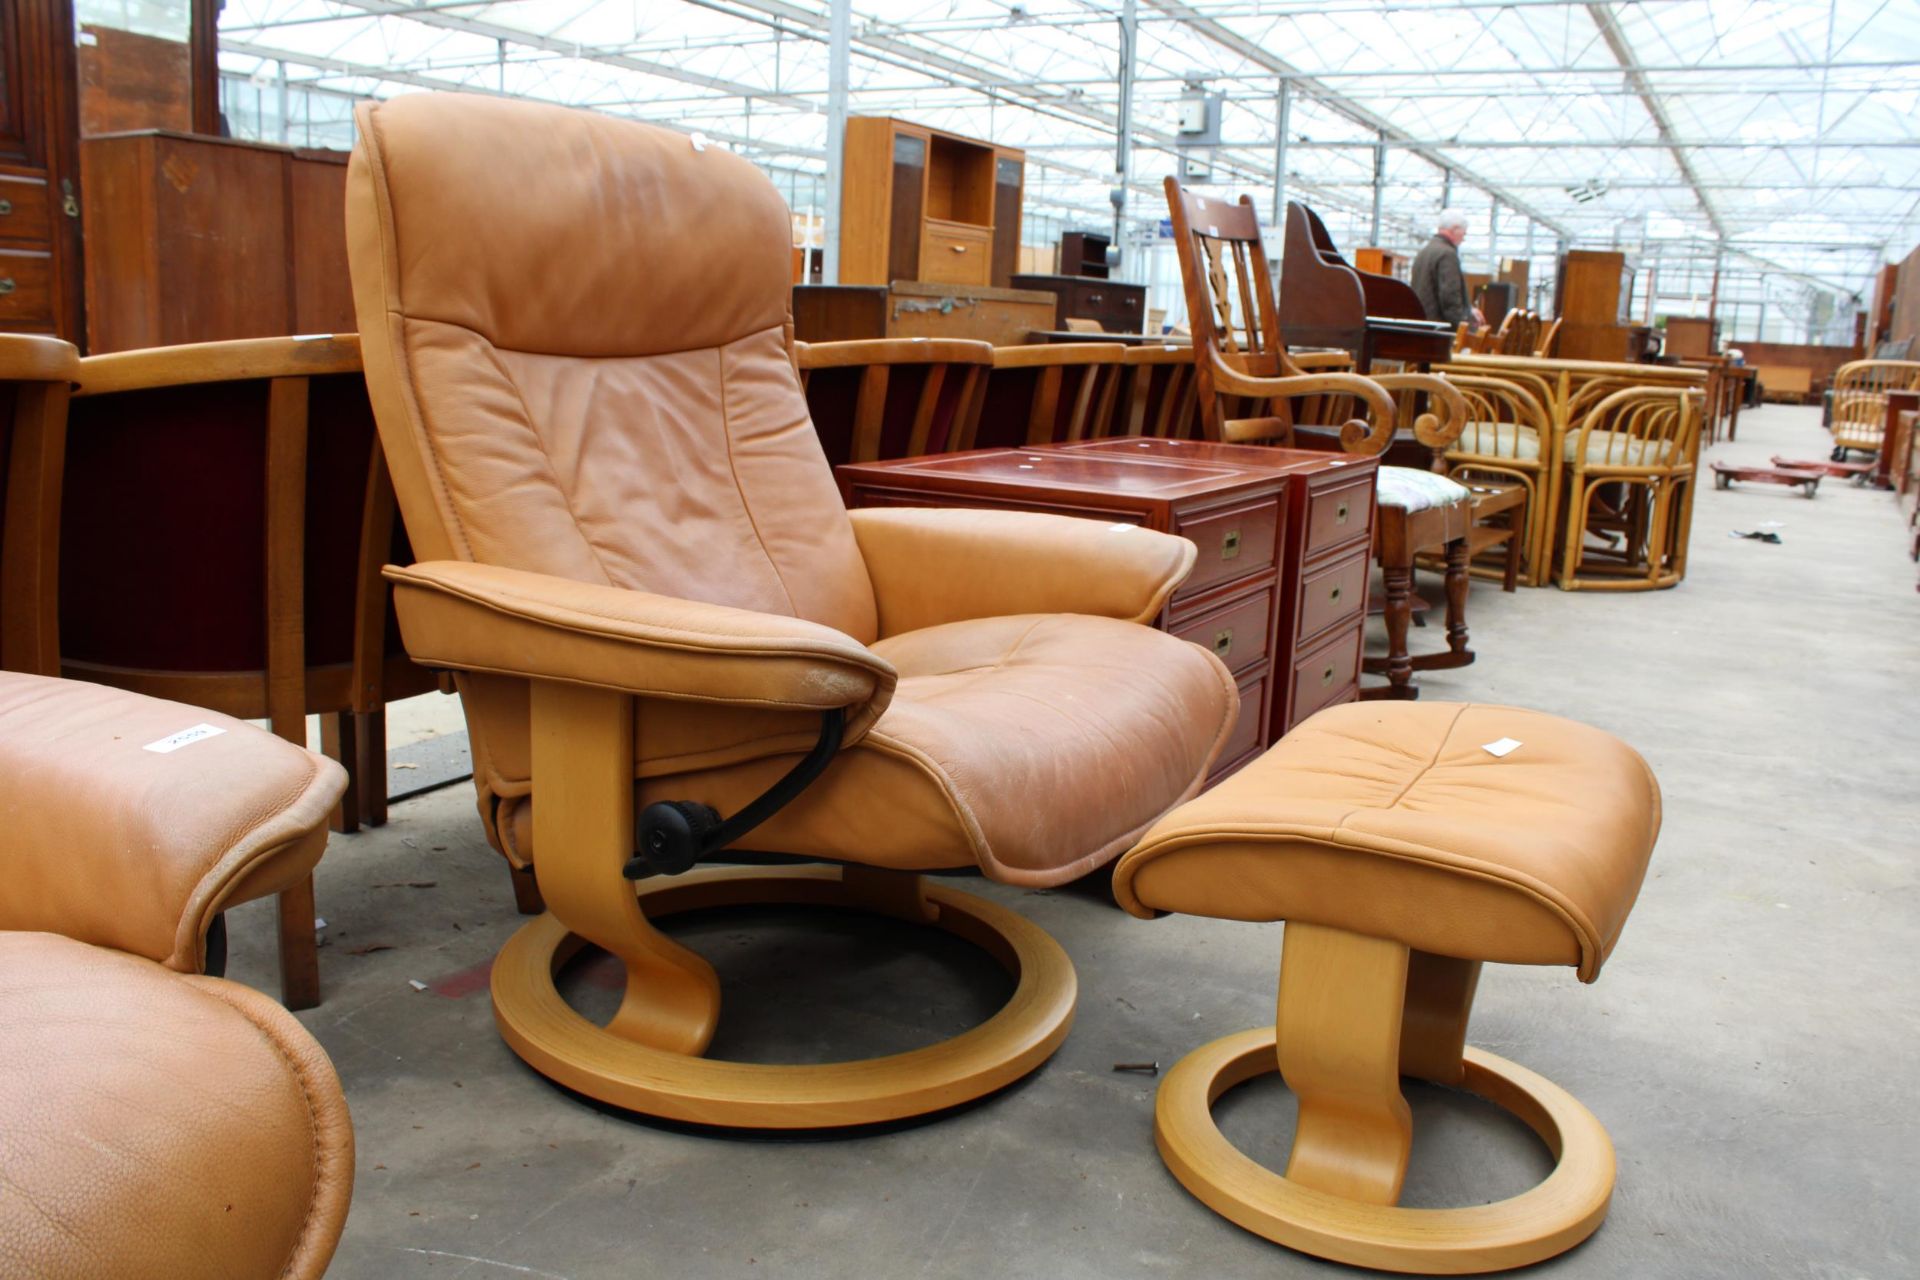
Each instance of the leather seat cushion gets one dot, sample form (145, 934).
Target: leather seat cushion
(1394, 821)
(1034, 746)
(159, 1124)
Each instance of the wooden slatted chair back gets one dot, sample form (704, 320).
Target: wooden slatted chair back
(892, 397)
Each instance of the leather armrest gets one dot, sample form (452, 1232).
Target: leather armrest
(931, 565)
(110, 839)
(477, 617)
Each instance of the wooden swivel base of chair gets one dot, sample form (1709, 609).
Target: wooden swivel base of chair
(614, 1064)
(1338, 1198)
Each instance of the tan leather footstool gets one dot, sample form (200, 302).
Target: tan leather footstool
(154, 1121)
(1402, 852)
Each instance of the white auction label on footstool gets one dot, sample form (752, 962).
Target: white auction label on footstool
(184, 738)
(1500, 748)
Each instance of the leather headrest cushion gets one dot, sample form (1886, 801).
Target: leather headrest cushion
(566, 232)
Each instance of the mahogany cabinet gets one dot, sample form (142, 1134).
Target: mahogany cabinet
(920, 204)
(199, 239)
(39, 170)
(1283, 537)
(1115, 306)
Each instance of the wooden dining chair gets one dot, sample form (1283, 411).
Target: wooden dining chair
(36, 376)
(892, 397)
(227, 512)
(1161, 395)
(1048, 393)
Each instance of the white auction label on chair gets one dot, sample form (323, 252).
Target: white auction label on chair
(1503, 747)
(184, 738)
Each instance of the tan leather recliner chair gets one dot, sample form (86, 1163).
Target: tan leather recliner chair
(577, 338)
(154, 1121)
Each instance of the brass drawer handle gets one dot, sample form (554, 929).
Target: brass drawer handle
(1326, 677)
(6, 207)
(1223, 642)
(6, 284)
(1340, 514)
(1230, 545)
(1333, 596)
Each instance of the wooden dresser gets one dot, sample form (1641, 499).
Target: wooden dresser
(1283, 538)
(1326, 558)
(39, 171)
(1117, 307)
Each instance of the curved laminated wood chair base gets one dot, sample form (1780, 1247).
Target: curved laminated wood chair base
(569, 1049)
(1549, 1219)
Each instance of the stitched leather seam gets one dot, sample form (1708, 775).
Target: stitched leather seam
(316, 1155)
(653, 633)
(1438, 859)
(396, 308)
(726, 434)
(212, 887)
(1415, 780)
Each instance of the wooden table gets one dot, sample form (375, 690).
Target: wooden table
(1279, 591)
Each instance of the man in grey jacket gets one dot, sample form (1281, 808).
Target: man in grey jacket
(1436, 273)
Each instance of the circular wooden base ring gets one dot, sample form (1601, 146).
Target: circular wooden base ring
(1537, 1224)
(566, 1047)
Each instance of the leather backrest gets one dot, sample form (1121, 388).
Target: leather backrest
(576, 333)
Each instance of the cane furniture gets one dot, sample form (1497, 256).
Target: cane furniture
(262, 599)
(892, 397)
(36, 377)
(1047, 394)
(1860, 391)
(1404, 846)
(1508, 432)
(671, 638)
(154, 1121)
(1642, 445)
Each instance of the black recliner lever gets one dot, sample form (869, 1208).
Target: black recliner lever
(673, 835)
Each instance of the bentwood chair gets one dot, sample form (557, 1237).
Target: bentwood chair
(1859, 414)
(1252, 390)
(1630, 472)
(1507, 437)
(892, 397)
(36, 377)
(226, 516)
(1048, 393)
(671, 638)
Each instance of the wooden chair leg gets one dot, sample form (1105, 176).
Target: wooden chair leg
(372, 756)
(526, 891)
(299, 948)
(1399, 616)
(339, 742)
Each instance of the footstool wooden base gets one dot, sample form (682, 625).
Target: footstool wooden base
(1402, 853)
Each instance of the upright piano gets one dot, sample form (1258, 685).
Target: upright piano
(1325, 302)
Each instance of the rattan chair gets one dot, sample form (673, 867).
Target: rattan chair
(1507, 438)
(1860, 388)
(1645, 441)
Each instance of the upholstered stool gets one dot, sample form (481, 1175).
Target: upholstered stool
(1404, 844)
(154, 1121)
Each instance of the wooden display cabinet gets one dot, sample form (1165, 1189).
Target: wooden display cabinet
(919, 204)
(1084, 253)
(39, 171)
(1593, 294)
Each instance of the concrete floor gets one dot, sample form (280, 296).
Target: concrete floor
(1750, 1046)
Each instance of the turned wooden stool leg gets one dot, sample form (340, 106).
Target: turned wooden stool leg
(1457, 581)
(1399, 615)
(371, 727)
